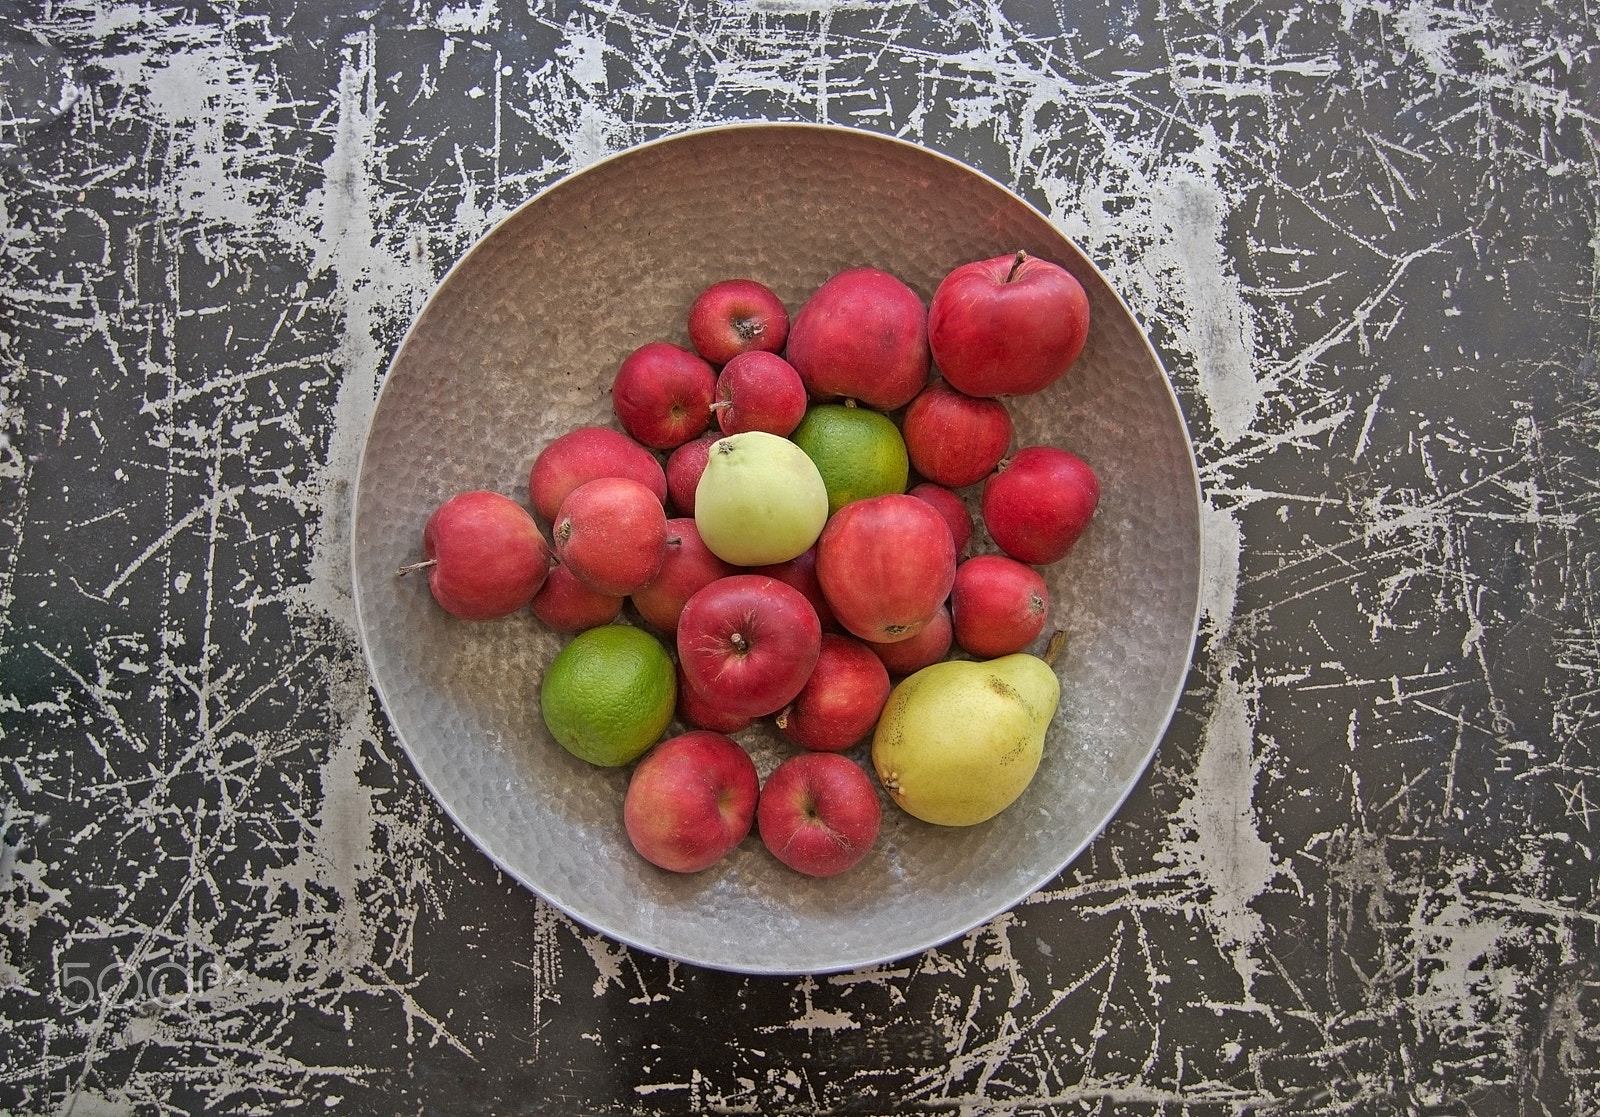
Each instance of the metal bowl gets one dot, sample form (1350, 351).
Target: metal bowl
(519, 344)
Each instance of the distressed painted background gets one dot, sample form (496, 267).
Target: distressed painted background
(1358, 879)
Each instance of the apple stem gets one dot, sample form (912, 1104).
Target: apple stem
(1052, 650)
(740, 644)
(410, 566)
(722, 405)
(1016, 264)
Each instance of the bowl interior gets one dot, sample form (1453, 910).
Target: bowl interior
(519, 344)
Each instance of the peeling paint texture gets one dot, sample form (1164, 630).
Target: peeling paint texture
(1359, 877)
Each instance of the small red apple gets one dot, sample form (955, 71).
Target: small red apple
(702, 713)
(841, 701)
(801, 573)
(819, 813)
(690, 801)
(1007, 326)
(952, 508)
(955, 439)
(688, 566)
(1038, 502)
(998, 605)
(759, 391)
(748, 643)
(612, 534)
(886, 564)
(862, 335)
(484, 555)
(567, 605)
(586, 454)
(684, 467)
(662, 394)
(927, 646)
(737, 316)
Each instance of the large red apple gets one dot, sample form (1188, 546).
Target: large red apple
(759, 391)
(586, 454)
(841, 701)
(955, 439)
(687, 567)
(662, 394)
(484, 555)
(612, 534)
(886, 564)
(862, 335)
(748, 643)
(737, 316)
(819, 813)
(1039, 502)
(1007, 326)
(997, 606)
(691, 800)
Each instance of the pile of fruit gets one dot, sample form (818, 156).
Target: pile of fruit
(754, 512)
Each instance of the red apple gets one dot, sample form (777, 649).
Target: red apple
(759, 391)
(819, 813)
(862, 335)
(586, 454)
(702, 713)
(737, 316)
(612, 534)
(748, 643)
(929, 645)
(997, 606)
(1038, 502)
(567, 605)
(688, 566)
(684, 467)
(951, 507)
(841, 701)
(662, 394)
(886, 564)
(484, 555)
(691, 800)
(955, 439)
(801, 573)
(1007, 326)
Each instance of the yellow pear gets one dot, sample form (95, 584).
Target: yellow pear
(960, 740)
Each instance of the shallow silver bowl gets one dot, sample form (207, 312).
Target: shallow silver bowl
(520, 343)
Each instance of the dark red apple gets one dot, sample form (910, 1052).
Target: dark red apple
(687, 567)
(567, 605)
(801, 573)
(702, 713)
(662, 394)
(819, 813)
(1007, 326)
(841, 701)
(1038, 502)
(690, 801)
(998, 605)
(862, 335)
(951, 507)
(737, 316)
(886, 564)
(587, 454)
(955, 439)
(759, 391)
(929, 645)
(484, 555)
(612, 534)
(748, 643)
(684, 467)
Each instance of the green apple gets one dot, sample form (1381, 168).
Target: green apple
(760, 500)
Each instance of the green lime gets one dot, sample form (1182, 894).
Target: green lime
(609, 694)
(858, 451)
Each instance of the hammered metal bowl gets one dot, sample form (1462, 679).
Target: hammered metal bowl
(519, 344)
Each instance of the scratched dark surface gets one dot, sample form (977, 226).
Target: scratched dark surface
(1358, 878)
